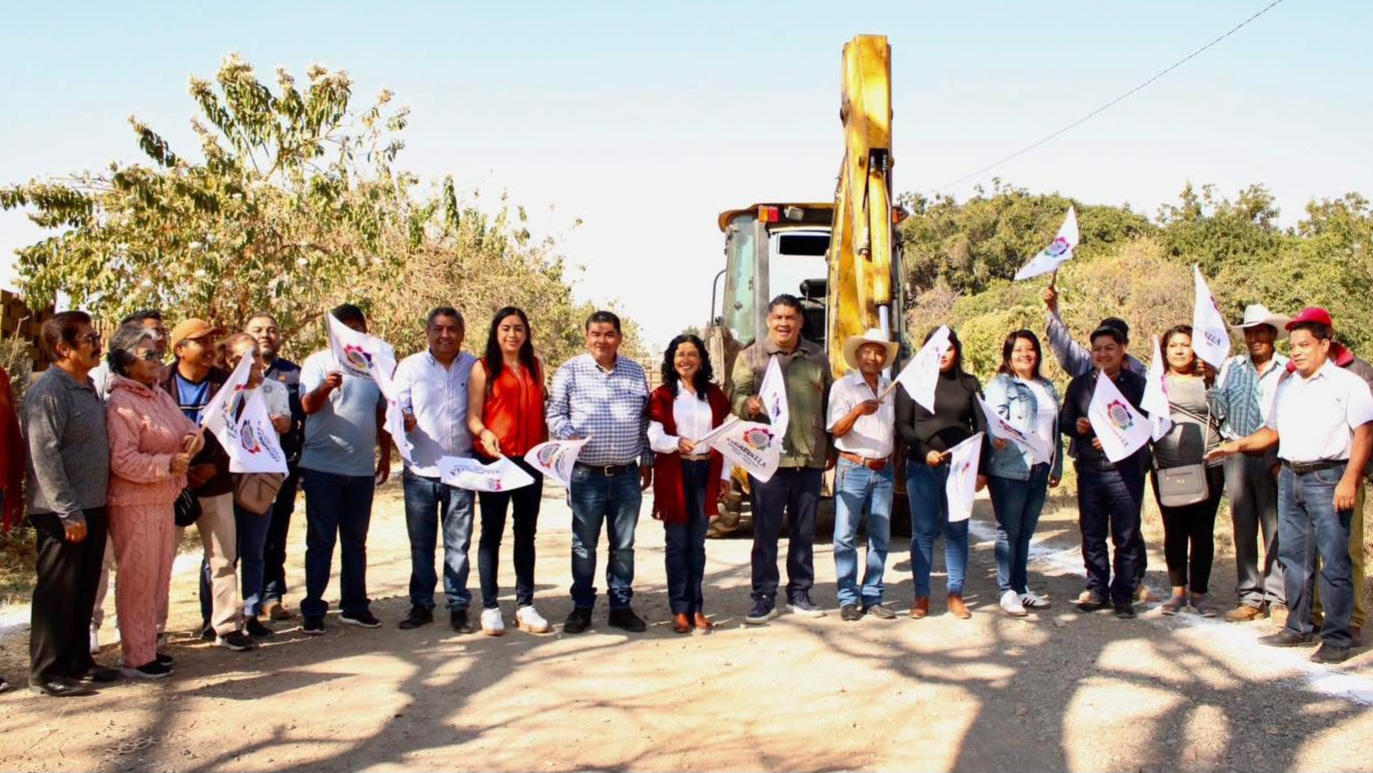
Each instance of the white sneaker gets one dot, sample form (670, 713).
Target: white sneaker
(95, 640)
(529, 619)
(1032, 600)
(1010, 602)
(492, 624)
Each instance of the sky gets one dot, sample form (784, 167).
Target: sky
(645, 120)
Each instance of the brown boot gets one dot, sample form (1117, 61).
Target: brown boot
(957, 608)
(921, 608)
(703, 623)
(681, 623)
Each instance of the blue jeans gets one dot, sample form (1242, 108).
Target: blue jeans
(794, 491)
(429, 502)
(684, 550)
(929, 512)
(858, 488)
(338, 508)
(1108, 505)
(597, 500)
(274, 553)
(1017, 504)
(252, 543)
(1309, 525)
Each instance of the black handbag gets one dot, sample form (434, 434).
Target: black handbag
(187, 508)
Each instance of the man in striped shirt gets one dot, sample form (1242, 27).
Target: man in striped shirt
(603, 396)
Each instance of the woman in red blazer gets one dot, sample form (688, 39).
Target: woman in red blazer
(686, 482)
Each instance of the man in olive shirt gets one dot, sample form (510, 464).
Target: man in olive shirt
(795, 488)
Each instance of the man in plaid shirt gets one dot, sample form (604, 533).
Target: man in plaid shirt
(604, 397)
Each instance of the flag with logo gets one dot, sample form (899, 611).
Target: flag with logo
(1057, 253)
(961, 487)
(556, 458)
(1155, 401)
(1121, 429)
(1210, 336)
(217, 417)
(355, 350)
(395, 413)
(998, 427)
(258, 448)
(773, 393)
(922, 373)
(752, 446)
(500, 475)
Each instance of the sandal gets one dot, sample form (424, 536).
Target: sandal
(1174, 605)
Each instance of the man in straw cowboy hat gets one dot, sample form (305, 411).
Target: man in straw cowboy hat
(862, 416)
(1245, 388)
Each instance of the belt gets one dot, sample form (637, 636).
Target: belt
(696, 457)
(605, 469)
(871, 464)
(1306, 468)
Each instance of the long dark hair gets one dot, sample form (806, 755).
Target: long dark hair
(1176, 330)
(703, 375)
(495, 359)
(957, 349)
(1009, 346)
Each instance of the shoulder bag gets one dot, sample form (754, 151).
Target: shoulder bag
(1186, 484)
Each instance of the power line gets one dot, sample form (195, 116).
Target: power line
(1113, 102)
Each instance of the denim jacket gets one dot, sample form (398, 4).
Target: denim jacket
(1016, 403)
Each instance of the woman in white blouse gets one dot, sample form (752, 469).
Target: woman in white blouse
(686, 482)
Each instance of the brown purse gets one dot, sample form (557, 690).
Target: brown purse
(256, 491)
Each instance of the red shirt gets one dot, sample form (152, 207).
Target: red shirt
(514, 409)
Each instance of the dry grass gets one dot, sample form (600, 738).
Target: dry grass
(17, 556)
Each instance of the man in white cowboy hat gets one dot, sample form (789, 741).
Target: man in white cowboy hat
(1246, 387)
(863, 419)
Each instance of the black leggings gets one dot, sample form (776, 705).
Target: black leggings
(1192, 526)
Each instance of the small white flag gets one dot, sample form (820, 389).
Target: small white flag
(921, 374)
(1057, 253)
(355, 351)
(773, 393)
(556, 458)
(257, 447)
(500, 475)
(395, 414)
(750, 445)
(1121, 429)
(1155, 400)
(217, 417)
(1210, 336)
(961, 487)
(998, 427)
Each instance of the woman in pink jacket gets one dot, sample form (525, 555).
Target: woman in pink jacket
(151, 445)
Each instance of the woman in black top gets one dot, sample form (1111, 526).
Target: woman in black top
(928, 438)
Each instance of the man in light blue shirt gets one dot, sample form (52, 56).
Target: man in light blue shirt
(346, 418)
(431, 387)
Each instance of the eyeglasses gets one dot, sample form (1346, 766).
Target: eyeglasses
(93, 339)
(152, 355)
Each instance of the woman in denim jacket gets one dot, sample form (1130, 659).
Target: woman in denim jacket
(1017, 481)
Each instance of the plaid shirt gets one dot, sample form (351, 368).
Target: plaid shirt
(609, 406)
(1243, 393)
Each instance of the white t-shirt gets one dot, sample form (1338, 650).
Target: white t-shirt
(1046, 412)
(1315, 417)
(872, 437)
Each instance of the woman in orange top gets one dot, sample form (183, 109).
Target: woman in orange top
(506, 416)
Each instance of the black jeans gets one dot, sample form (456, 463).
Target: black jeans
(1109, 504)
(274, 554)
(526, 502)
(1192, 526)
(64, 595)
(795, 491)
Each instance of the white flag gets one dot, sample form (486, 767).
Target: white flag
(556, 458)
(1056, 254)
(395, 415)
(773, 393)
(1210, 336)
(961, 487)
(500, 475)
(755, 447)
(1121, 429)
(217, 416)
(355, 351)
(257, 447)
(1155, 401)
(922, 373)
(998, 427)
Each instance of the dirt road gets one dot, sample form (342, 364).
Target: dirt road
(1055, 691)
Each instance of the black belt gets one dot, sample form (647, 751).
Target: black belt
(605, 469)
(1306, 468)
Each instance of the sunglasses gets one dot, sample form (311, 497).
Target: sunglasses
(152, 355)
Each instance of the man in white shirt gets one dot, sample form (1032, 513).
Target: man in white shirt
(1322, 425)
(862, 418)
(431, 387)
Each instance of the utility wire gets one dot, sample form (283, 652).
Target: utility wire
(1112, 103)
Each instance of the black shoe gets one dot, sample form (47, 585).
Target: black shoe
(165, 660)
(418, 616)
(60, 688)
(578, 621)
(1286, 638)
(1125, 610)
(460, 622)
(626, 620)
(879, 611)
(96, 674)
(153, 670)
(256, 629)
(1092, 603)
(1330, 653)
(312, 625)
(237, 641)
(850, 613)
(207, 633)
(363, 619)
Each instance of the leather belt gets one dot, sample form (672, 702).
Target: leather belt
(607, 470)
(1306, 468)
(696, 457)
(871, 464)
